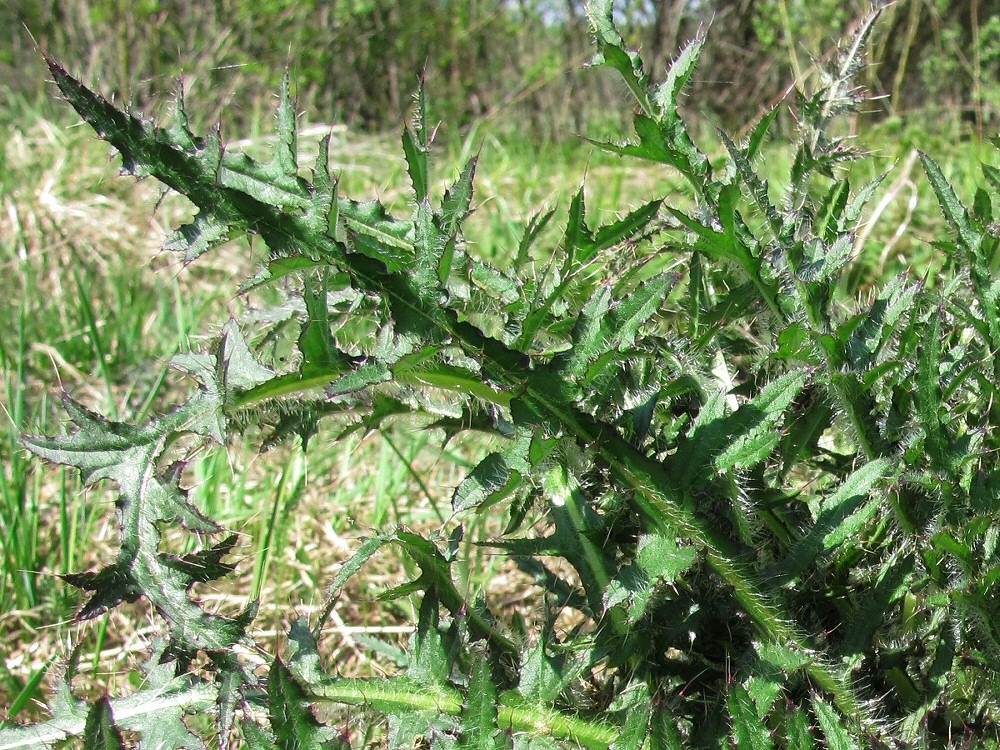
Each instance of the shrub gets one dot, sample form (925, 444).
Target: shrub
(770, 509)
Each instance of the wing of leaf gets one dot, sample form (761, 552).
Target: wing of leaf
(843, 514)
(479, 718)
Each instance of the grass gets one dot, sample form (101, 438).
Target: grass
(85, 310)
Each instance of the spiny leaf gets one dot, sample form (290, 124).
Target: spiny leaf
(546, 672)
(611, 52)
(739, 439)
(293, 723)
(837, 736)
(681, 69)
(286, 148)
(755, 186)
(238, 368)
(100, 733)
(415, 149)
(829, 220)
(267, 183)
(951, 206)
(378, 234)
(624, 229)
(629, 314)
(479, 718)
(148, 497)
(799, 736)
(658, 559)
(455, 208)
(590, 336)
(636, 730)
(156, 712)
(929, 397)
(429, 658)
(579, 239)
(532, 231)
(759, 133)
(205, 233)
(652, 145)
(103, 449)
(489, 479)
(843, 514)
(748, 731)
(663, 734)
(349, 568)
(890, 586)
(436, 577)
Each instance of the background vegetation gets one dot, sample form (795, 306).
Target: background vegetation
(86, 310)
(513, 62)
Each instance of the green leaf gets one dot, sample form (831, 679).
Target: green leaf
(545, 672)
(429, 662)
(238, 368)
(316, 346)
(636, 730)
(292, 721)
(100, 732)
(891, 584)
(662, 732)
(756, 187)
(578, 239)
(377, 234)
(837, 736)
(666, 97)
(799, 736)
(951, 206)
(740, 439)
(536, 225)
(875, 327)
(205, 233)
(590, 336)
(479, 717)
(455, 208)
(156, 712)
(929, 396)
(415, 150)
(658, 560)
(748, 730)
(650, 148)
(829, 220)
(843, 514)
(611, 52)
(148, 497)
(256, 737)
(725, 245)
(348, 569)
(490, 480)
(759, 133)
(624, 229)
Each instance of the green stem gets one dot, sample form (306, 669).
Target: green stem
(397, 695)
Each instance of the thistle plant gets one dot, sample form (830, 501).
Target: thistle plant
(770, 507)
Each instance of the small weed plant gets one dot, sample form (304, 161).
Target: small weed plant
(757, 512)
